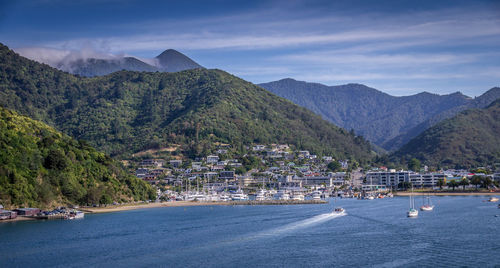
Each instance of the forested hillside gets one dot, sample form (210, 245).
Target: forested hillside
(42, 167)
(470, 139)
(126, 112)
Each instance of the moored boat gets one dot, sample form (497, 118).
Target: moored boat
(75, 215)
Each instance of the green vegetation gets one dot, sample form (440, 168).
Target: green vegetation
(126, 112)
(469, 139)
(40, 166)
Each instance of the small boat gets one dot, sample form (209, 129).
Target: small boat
(339, 210)
(261, 195)
(493, 199)
(427, 206)
(239, 195)
(316, 195)
(412, 213)
(498, 205)
(297, 197)
(75, 215)
(370, 197)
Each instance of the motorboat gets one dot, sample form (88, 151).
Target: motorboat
(339, 210)
(493, 199)
(282, 195)
(76, 214)
(316, 195)
(261, 195)
(224, 197)
(239, 195)
(297, 196)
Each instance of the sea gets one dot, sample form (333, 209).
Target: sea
(461, 231)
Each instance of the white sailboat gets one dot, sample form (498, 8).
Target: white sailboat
(412, 213)
(427, 206)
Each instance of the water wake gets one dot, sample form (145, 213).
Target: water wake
(299, 225)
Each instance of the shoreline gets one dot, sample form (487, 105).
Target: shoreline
(193, 204)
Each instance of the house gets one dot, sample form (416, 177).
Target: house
(212, 159)
(7, 214)
(303, 154)
(217, 167)
(222, 151)
(153, 163)
(210, 175)
(27, 211)
(141, 171)
(176, 163)
(258, 148)
(327, 158)
(226, 175)
(196, 165)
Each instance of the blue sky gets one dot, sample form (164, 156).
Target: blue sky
(399, 47)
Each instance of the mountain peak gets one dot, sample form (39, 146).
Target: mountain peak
(172, 60)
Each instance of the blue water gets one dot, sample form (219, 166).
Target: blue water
(461, 231)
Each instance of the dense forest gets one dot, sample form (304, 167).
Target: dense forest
(470, 139)
(42, 167)
(126, 112)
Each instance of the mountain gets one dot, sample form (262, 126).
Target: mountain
(40, 166)
(174, 61)
(168, 61)
(479, 102)
(385, 120)
(469, 139)
(126, 112)
(97, 67)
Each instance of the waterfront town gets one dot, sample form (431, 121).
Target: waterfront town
(276, 174)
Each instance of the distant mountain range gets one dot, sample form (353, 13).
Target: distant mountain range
(469, 139)
(168, 61)
(126, 112)
(385, 120)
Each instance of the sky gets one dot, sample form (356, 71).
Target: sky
(399, 47)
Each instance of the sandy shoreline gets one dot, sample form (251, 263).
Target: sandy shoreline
(445, 193)
(151, 205)
(190, 204)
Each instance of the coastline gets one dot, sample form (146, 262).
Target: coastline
(446, 194)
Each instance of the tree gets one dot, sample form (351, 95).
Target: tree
(440, 183)
(414, 164)
(334, 166)
(486, 181)
(453, 184)
(464, 182)
(405, 185)
(476, 180)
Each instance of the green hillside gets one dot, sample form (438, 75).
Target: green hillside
(469, 139)
(126, 112)
(387, 121)
(42, 167)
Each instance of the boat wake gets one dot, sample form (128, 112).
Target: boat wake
(299, 225)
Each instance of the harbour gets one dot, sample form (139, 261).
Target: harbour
(372, 232)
